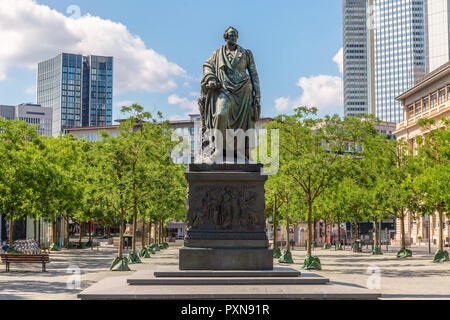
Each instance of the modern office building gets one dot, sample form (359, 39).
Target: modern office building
(355, 57)
(78, 88)
(400, 52)
(438, 12)
(32, 114)
(385, 53)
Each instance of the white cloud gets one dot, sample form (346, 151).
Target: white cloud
(325, 92)
(322, 91)
(31, 32)
(282, 104)
(339, 59)
(184, 103)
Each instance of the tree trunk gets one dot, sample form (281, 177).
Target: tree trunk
(288, 242)
(108, 231)
(133, 245)
(339, 229)
(155, 231)
(315, 230)
(11, 222)
(325, 231)
(402, 229)
(310, 231)
(34, 229)
(355, 235)
(441, 233)
(89, 232)
(143, 234)
(274, 222)
(81, 234)
(54, 231)
(149, 232)
(377, 240)
(67, 235)
(39, 233)
(121, 230)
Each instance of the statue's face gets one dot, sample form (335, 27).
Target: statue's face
(231, 37)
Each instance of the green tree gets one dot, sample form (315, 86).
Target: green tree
(313, 152)
(18, 142)
(433, 184)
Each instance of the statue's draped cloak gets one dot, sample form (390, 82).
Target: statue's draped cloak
(231, 106)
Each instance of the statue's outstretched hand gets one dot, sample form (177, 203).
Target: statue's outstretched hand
(213, 84)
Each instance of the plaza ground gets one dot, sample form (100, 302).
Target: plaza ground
(413, 278)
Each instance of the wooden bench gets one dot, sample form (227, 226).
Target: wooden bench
(25, 258)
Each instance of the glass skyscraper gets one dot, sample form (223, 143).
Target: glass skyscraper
(385, 53)
(400, 52)
(355, 57)
(438, 13)
(78, 88)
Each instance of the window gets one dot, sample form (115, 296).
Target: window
(433, 101)
(425, 104)
(442, 96)
(418, 108)
(411, 110)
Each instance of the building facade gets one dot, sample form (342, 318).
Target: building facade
(32, 114)
(399, 52)
(429, 98)
(355, 54)
(78, 88)
(385, 53)
(438, 12)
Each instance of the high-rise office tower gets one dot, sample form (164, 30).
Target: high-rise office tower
(78, 88)
(355, 57)
(438, 12)
(399, 52)
(385, 53)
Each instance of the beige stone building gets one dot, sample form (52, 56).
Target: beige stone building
(429, 98)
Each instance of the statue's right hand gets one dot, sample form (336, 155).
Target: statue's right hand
(212, 84)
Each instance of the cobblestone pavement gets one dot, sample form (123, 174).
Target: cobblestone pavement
(413, 278)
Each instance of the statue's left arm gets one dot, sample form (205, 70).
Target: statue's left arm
(255, 82)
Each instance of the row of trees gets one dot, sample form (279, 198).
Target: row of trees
(342, 170)
(127, 177)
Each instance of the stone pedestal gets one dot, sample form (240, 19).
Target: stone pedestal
(225, 219)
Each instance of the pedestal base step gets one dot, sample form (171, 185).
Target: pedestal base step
(116, 288)
(174, 272)
(148, 278)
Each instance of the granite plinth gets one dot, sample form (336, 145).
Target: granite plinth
(225, 219)
(226, 259)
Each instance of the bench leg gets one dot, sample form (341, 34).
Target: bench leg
(43, 267)
(7, 266)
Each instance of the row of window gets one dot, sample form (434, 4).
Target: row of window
(428, 102)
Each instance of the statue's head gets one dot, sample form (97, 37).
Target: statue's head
(231, 35)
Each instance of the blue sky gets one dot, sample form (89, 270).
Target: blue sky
(160, 47)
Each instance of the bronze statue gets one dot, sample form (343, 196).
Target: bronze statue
(230, 97)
